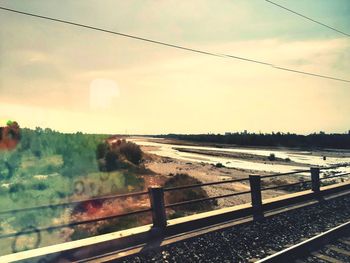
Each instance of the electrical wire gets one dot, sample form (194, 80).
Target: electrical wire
(171, 45)
(308, 18)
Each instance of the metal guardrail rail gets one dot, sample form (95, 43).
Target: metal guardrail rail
(76, 202)
(204, 184)
(158, 206)
(75, 223)
(285, 185)
(205, 199)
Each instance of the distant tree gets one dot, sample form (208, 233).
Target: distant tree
(77, 163)
(315, 140)
(35, 146)
(5, 172)
(9, 163)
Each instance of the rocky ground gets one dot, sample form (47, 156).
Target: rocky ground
(246, 243)
(327, 251)
(165, 167)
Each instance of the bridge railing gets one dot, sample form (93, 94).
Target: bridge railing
(171, 189)
(158, 206)
(255, 183)
(32, 229)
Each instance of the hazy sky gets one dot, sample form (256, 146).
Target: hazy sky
(69, 78)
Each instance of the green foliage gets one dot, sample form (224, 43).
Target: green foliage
(40, 186)
(9, 163)
(45, 166)
(5, 172)
(135, 182)
(26, 219)
(33, 172)
(47, 151)
(3, 191)
(17, 187)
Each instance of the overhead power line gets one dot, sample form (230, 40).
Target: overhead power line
(171, 45)
(308, 18)
(131, 36)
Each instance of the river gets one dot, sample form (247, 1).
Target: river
(302, 157)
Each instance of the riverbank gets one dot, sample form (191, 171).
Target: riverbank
(166, 167)
(211, 162)
(328, 152)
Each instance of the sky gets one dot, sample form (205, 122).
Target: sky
(74, 79)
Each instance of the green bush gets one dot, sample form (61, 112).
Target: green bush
(3, 191)
(131, 151)
(136, 182)
(61, 194)
(40, 186)
(17, 187)
(26, 219)
(219, 165)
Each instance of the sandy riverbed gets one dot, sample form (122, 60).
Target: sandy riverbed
(198, 166)
(167, 167)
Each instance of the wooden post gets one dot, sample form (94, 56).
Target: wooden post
(315, 179)
(156, 196)
(255, 188)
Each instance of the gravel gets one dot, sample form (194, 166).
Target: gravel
(247, 243)
(329, 252)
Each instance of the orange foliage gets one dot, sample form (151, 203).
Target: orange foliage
(9, 136)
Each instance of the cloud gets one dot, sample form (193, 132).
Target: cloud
(60, 69)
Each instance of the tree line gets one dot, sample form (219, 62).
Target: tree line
(77, 150)
(314, 140)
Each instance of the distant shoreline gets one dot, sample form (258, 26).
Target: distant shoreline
(328, 152)
(314, 142)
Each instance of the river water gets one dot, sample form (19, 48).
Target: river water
(303, 157)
